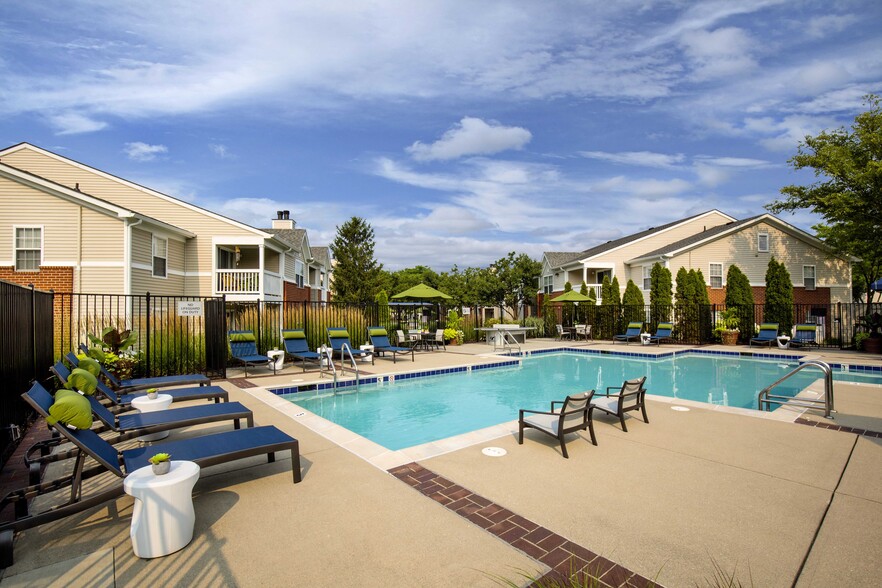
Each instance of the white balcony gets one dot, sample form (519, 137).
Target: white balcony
(244, 284)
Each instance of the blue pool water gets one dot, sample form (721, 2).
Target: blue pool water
(414, 411)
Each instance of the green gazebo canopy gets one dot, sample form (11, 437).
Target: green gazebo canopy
(421, 292)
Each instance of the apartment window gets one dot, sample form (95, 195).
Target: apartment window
(808, 277)
(28, 248)
(647, 277)
(160, 257)
(716, 275)
(298, 272)
(762, 242)
(547, 284)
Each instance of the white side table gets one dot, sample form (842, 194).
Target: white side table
(278, 356)
(783, 342)
(644, 338)
(163, 516)
(368, 356)
(145, 404)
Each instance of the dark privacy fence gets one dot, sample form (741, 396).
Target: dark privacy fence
(25, 354)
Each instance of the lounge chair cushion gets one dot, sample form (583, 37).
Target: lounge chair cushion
(83, 381)
(293, 335)
(338, 333)
(242, 337)
(90, 365)
(608, 404)
(546, 422)
(378, 332)
(70, 409)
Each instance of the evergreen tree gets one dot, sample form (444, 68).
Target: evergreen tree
(660, 293)
(615, 291)
(703, 309)
(357, 272)
(779, 296)
(606, 297)
(739, 296)
(634, 303)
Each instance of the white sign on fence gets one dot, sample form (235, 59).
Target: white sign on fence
(190, 308)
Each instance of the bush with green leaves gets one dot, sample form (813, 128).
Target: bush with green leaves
(633, 303)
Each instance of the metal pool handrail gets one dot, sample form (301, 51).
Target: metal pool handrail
(765, 399)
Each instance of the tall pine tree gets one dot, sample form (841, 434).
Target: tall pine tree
(633, 303)
(739, 296)
(660, 293)
(356, 271)
(779, 296)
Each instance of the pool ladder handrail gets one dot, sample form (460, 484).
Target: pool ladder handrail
(327, 353)
(346, 350)
(505, 345)
(765, 399)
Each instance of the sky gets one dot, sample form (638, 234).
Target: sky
(459, 130)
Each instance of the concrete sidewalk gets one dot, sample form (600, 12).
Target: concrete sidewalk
(666, 500)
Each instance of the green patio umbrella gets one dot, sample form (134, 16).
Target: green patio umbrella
(422, 292)
(571, 296)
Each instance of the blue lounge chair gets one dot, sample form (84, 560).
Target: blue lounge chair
(768, 334)
(338, 337)
(805, 336)
(136, 384)
(215, 393)
(243, 347)
(296, 346)
(662, 333)
(380, 340)
(632, 334)
(206, 451)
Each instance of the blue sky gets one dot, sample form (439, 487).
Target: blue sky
(460, 130)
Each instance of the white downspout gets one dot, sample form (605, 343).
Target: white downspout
(127, 251)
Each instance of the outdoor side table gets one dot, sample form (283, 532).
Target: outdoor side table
(278, 356)
(145, 404)
(368, 357)
(783, 342)
(163, 516)
(644, 338)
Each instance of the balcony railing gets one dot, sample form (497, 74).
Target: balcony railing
(237, 281)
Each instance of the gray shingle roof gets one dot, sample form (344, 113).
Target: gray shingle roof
(320, 255)
(293, 237)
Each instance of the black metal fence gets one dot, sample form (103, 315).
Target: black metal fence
(837, 324)
(25, 354)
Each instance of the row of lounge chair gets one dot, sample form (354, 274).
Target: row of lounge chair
(576, 412)
(113, 414)
(804, 335)
(243, 347)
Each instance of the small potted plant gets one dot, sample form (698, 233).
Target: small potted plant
(161, 463)
(151, 393)
(727, 327)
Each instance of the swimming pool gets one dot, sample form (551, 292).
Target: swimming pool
(412, 411)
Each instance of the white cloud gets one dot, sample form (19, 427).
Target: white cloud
(139, 151)
(471, 136)
(71, 123)
(220, 150)
(720, 53)
(822, 26)
(641, 158)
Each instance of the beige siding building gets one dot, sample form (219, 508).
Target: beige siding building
(710, 242)
(118, 237)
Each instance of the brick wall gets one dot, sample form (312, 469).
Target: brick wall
(59, 279)
(293, 293)
(800, 295)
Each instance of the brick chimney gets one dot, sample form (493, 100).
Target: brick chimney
(283, 220)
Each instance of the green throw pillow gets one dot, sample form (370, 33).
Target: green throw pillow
(90, 365)
(338, 333)
(377, 332)
(82, 380)
(70, 409)
(293, 335)
(238, 337)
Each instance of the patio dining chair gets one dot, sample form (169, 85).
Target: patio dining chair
(562, 333)
(574, 415)
(631, 396)
(438, 341)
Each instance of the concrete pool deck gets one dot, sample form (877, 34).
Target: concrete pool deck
(762, 497)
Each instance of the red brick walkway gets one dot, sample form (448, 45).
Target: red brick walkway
(564, 557)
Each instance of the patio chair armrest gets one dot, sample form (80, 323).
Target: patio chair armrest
(553, 402)
(523, 410)
(608, 388)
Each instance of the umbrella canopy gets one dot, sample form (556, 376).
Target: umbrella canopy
(876, 286)
(571, 296)
(421, 292)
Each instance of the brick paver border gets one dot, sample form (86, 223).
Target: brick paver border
(563, 556)
(835, 427)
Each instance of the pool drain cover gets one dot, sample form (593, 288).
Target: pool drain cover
(680, 408)
(494, 451)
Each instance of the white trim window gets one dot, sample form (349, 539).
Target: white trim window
(762, 242)
(298, 273)
(28, 248)
(547, 284)
(808, 277)
(715, 271)
(647, 277)
(160, 257)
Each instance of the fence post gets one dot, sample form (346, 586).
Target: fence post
(33, 330)
(839, 319)
(259, 336)
(147, 342)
